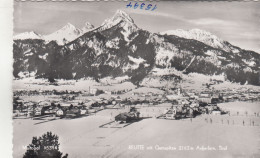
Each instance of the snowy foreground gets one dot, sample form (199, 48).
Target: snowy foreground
(226, 136)
(82, 137)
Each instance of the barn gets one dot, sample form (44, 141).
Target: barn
(123, 117)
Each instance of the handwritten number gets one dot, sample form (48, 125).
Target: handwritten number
(142, 6)
(149, 7)
(136, 5)
(154, 8)
(129, 5)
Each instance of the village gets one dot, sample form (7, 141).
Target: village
(171, 103)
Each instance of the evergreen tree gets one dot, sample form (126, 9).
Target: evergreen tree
(46, 146)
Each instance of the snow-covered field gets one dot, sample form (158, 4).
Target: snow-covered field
(191, 81)
(241, 107)
(79, 85)
(82, 137)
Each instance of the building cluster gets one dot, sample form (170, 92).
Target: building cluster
(43, 92)
(185, 104)
(187, 109)
(127, 117)
(44, 108)
(191, 104)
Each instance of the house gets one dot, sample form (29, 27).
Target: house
(133, 112)
(72, 112)
(44, 103)
(203, 110)
(172, 97)
(184, 102)
(28, 104)
(216, 112)
(194, 103)
(205, 97)
(83, 111)
(68, 97)
(108, 92)
(38, 111)
(170, 114)
(30, 112)
(88, 104)
(160, 96)
(190, 113)
(123, 117)
(20, 101)
(114, 102)
(215, 81)
(48, 110)
(16, 113)
(60, 112)
(215, 100)
(93, 91)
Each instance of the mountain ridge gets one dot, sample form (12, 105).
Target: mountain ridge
(118, 47)
(65, 34)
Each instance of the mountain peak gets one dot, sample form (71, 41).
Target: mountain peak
(118, 11)
(189, 33)
(199, 35)
(87, 27)
(199, 31)
(117, 18)
(123, 15)
(28, 35)
(68, 26)
(33, 32)
(67, 33)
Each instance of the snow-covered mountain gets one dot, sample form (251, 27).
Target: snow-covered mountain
(124, 20)
(67, 33)
(118, 17)
(118, 48)
(27, 35)
(87, 27)
(202, 36)
(62, 36)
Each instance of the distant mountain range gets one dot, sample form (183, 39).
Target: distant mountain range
(118, 47)
(64, 35)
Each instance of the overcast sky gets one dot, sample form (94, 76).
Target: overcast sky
(236, 22)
